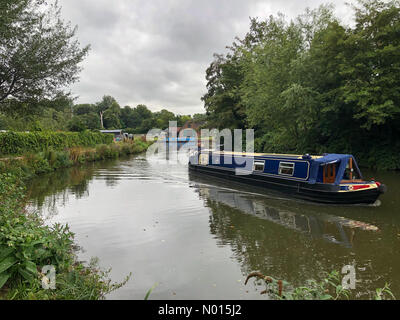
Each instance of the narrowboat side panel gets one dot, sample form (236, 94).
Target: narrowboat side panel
(271, 166)
(299, 178)
(301, 168)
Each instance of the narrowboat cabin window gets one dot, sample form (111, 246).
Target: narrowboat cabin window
(203, 160)
(351, 173)
(286, 168)
(259, 166)
(329, 173)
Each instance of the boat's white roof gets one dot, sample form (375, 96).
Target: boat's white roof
(297, 156)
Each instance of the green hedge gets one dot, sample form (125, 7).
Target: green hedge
(14, 143)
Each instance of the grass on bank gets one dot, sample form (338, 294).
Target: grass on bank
(30, 164)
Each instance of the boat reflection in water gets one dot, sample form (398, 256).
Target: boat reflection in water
(334, 229)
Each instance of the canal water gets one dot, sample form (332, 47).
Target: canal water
(196, 237)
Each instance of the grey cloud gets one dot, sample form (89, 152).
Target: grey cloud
(156, 52)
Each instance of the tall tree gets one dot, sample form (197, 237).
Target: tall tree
(140, 115)
(39, 55)
(86, 108)
(371, 62)
(127, 117)
(112, 116)
(106, 103)
(314, 85)
(223, 100)
(182, 119)
(163, 118)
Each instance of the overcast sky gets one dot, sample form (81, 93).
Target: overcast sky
(155, 52)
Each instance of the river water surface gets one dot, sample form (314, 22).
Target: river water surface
(198, 238)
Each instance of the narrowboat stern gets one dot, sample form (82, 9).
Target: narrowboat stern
(330, 178)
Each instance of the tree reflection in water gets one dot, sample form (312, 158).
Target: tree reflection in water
(281, 238)
(49, 191)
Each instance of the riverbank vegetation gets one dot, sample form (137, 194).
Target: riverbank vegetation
(33, 163)
(329, 288)
(315, 84)
(17, 143)
(40, 58)
(27, 245)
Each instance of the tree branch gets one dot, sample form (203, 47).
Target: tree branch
(9, 89)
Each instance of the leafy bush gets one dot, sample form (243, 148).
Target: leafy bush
(101, 151)
(76, 125)
(126, 149)
(63, 160)
(38, 163)
(25, 244)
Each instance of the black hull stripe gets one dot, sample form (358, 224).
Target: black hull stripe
(318, 193)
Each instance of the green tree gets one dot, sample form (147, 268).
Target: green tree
(182, 119)
(371, 62)
(80, 109)
(223, 100)
(38, 53)
(76, 124)
(106, 103)
(314, 85)
(46, 114)
(163, 118)
(200, 117)
(140, 119)
(3, 122)
(112, 116)
(268, 73)
(91, 120)
(147, 124)
(127, 117)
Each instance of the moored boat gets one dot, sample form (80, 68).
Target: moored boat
(330, 178)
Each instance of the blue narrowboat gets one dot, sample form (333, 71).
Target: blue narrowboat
(329, 178)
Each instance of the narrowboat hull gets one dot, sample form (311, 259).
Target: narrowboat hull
(318, 192)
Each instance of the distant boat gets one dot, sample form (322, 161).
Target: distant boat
(179, 139)
(330, 178)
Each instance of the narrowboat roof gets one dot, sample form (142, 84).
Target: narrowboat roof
(326, 158)
(111, 131)
(331, 159)
(294, 156)
(315, 161)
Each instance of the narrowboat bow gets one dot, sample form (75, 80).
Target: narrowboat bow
(330, 178)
